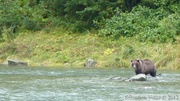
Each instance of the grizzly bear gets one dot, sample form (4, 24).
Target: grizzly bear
(144, 67)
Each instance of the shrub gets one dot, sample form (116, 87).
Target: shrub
(23, 14)
(81, 15)
(144, 24)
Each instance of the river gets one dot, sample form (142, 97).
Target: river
(85, 84)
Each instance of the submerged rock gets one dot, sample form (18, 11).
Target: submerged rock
(117, 78)
(16, 63)
(139, 77)
(90, 63)
(157, 78)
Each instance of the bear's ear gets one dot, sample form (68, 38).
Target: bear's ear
(131, 60)
(140, 61)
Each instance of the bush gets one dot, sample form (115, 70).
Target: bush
(23, 14)
(144, 24)
(81, 15)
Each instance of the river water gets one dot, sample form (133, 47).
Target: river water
(87, 84)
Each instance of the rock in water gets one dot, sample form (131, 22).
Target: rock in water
(90, 63)
(16, 63)
(117, 78)
(139, 77)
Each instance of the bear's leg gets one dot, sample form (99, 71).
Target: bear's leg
(153, 74)
(137, 72)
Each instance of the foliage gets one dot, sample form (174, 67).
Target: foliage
(144, 19)
(21, 14)
(81, 15)
(144, 24)
(64, 49)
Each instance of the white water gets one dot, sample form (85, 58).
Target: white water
(57, 84)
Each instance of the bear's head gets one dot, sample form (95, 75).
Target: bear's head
(136, 64)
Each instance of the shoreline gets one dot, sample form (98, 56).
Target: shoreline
(60, 48)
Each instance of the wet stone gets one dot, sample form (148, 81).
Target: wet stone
(90, 63)
(139, 77)
(16, 63)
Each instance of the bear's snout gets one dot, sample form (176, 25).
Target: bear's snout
(134, 66)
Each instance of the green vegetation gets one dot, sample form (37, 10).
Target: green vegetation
(68, 32)
(145, 24)
(58, 47)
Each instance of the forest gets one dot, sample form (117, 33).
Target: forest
(148, 21)
(152, 20)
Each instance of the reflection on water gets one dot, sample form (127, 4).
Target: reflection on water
(57, 84)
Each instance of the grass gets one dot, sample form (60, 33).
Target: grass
(58, 47)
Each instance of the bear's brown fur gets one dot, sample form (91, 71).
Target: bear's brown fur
(144, 67)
